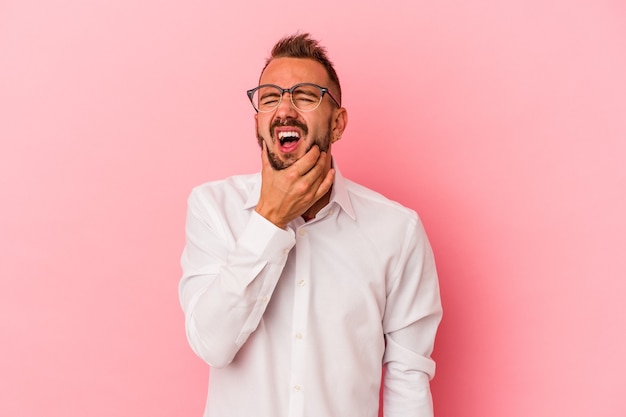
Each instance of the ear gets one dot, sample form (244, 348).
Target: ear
(339, 123)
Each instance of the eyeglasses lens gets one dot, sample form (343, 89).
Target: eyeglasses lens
(304, 98)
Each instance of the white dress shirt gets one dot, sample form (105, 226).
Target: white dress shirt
(300, 322)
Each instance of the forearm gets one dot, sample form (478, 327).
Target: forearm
(225, 302)
(406, 390)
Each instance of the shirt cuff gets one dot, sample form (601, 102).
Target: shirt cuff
(266, 240)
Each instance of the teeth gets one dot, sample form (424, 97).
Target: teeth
(292, 134)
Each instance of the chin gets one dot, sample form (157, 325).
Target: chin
(281, 162)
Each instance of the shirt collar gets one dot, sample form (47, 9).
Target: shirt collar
(338, 195)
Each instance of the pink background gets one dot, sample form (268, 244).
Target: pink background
(502, 123)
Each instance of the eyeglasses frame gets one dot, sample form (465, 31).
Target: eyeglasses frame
(323, 90)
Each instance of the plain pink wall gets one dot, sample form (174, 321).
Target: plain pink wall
(502, 123)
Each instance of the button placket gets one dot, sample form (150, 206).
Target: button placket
(299, 321)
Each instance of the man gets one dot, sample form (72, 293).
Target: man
(298, 285)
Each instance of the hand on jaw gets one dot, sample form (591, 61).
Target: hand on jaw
(289, 193)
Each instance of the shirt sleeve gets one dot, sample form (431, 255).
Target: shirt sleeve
(412, 315)
(228, 278)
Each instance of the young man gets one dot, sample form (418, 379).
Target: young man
(299, 285)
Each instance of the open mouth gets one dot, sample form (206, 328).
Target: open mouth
(288, 140)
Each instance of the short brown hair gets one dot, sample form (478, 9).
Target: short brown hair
(303, 46)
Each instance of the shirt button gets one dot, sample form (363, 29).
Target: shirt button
(302, 232)
(297, 388)
(286, 251)
(299, 336)
(264, 298)
(301, 283)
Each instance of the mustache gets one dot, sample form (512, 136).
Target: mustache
(290, 122)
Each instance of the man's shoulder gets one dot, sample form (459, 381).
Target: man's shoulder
(233, 188)
(367, 202)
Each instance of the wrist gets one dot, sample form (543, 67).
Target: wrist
(271, 217)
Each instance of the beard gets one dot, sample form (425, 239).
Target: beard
(322, 141)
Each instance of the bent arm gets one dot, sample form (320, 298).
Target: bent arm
(228, 279)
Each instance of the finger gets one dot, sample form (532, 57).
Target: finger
(326, 183)
(318, 168)
(320, 177)
(307, 161)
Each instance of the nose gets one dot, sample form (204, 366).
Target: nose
(286, 109)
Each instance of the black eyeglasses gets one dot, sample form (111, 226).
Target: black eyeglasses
(305, 97)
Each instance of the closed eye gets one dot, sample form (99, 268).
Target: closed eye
(269, 99)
